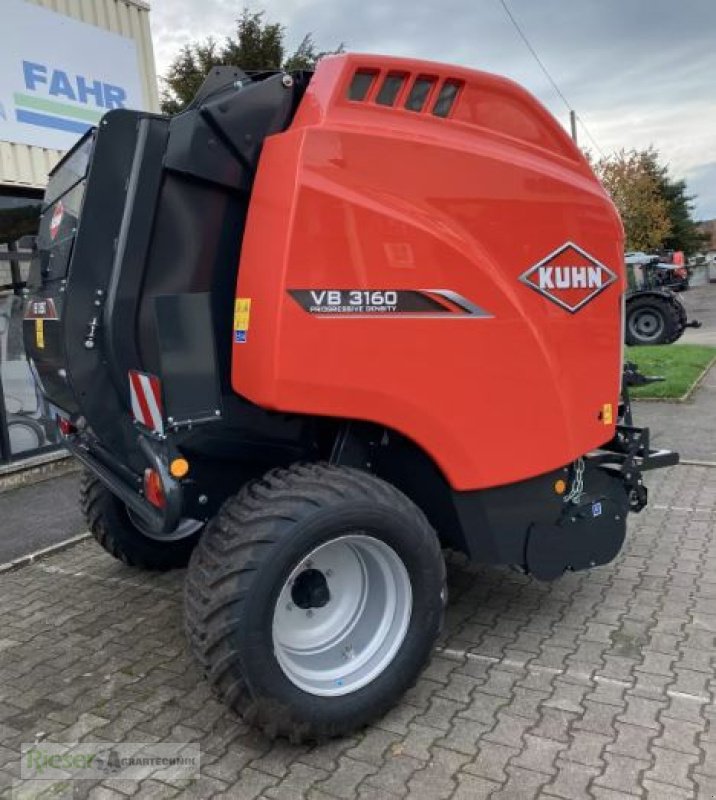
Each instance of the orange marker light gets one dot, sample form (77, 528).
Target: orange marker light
(560, 486)
(179, 468)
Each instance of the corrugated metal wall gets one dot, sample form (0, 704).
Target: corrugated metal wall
(22, 165)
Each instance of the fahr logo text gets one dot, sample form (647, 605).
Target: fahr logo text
(63, 100)
(569, 277)
(64, 85)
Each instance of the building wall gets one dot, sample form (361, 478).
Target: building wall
(709, 228)
(25, 166)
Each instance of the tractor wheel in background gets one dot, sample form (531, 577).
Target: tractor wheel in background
(123, 537)
(26, 434)
(653, 319)
(314, 599)
(679, 310)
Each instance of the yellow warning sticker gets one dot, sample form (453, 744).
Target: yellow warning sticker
(607, 414)
(242, 314)
(40, 333)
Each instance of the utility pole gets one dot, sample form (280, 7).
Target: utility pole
(573, 125)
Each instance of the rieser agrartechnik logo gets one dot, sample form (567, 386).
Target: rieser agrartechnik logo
(126, 760)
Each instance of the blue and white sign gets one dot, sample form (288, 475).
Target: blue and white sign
(58, 76)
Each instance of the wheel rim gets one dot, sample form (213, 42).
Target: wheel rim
(342, 615)
(646, 325)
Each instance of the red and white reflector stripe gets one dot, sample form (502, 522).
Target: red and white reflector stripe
(145, 392)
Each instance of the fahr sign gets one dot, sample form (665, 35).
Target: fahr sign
(58, 76)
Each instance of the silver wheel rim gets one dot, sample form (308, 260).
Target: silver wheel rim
(646, 325)
(334, 646)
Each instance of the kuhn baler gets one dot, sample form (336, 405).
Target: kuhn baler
(319, 326)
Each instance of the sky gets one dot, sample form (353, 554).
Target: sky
(637, 72)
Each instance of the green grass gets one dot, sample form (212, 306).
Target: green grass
(680, 364)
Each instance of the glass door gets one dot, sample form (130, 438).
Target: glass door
(26, 426)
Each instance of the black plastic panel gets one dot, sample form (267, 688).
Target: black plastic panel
(188, 362)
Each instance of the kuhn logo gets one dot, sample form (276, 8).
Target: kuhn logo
(569, 277)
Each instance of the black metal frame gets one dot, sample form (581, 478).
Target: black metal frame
(127, 486)
(5, 454)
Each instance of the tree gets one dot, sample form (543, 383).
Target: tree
(629, 178)
(256, 45)
(655, 209)
(684, 234)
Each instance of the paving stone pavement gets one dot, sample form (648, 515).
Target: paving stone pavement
(600, 685)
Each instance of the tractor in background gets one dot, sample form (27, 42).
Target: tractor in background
(654, 313)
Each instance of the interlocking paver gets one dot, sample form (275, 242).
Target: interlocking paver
(633, 741)
(394, 775)
(622, 773)
(572, 781)
(539, 754)
(522, 784)
(672, 767)
(491, 761)
(299, 779)
(250, 785)
(344, 781)
(600, 685)
(470, 787)
(419, 740)
(437, 778)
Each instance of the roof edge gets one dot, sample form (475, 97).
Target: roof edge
(143, 5)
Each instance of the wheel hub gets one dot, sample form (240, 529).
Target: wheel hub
(310, 590)
(342, 615)
(647, 325)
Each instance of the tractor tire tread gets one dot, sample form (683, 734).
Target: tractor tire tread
(229, 553)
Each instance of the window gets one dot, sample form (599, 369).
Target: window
(390, 89)
(419, 93)
(446, 98)
(360, 85)
(24, 418)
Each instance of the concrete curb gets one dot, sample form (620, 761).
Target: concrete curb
(691, 462)
(30, 558)
(36, 469)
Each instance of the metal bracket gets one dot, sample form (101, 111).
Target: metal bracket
(355, 444)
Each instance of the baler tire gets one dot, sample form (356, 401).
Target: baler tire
(111, 526)
(672, 326)
(256, 547)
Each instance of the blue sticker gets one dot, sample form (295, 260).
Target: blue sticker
(596, 509)
(240, 337)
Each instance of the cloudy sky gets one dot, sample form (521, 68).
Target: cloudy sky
(638, 72)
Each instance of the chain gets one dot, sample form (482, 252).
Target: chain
(577, 482)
